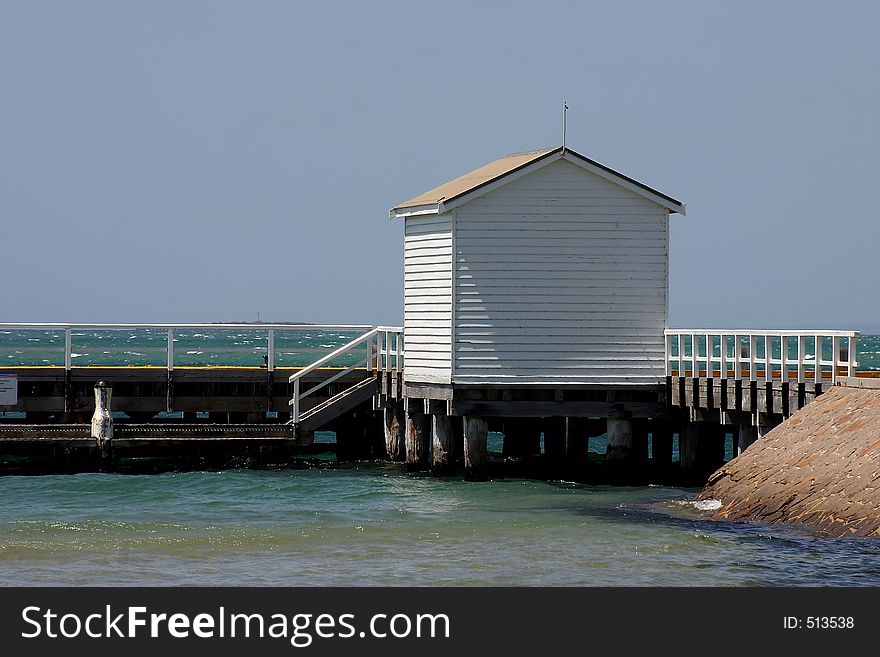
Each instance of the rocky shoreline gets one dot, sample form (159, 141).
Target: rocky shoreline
(820, 468)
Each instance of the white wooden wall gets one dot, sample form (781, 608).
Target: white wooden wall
(560, 276)
(427, 306)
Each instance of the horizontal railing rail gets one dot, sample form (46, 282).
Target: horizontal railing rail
(383, 347)
(268, 349)
(783, 355)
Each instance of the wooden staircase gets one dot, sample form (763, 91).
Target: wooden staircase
(383, 352)
(342, 402)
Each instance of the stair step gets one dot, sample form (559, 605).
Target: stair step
(338, 404)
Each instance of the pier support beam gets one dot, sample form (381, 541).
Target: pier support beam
(522, 438)
(395, 428)
(767, 422)
(347, 438)
(476, 435)
(687, 446)
(639, 440)
(748, 434)
(554, 438)
(576, 438)
(303, 437)
(702, 450)
(374, 433)
(661, 442)
(359, 436)
(442, 462)
(417, 443)
(620, 439)
(457, 446)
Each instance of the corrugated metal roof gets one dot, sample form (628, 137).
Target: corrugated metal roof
(476, 178)
(506, 165)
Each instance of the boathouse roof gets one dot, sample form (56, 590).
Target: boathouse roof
(496, 173)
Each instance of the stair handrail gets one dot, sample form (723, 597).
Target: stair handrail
(374, 353)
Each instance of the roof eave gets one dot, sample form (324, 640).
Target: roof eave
(673, 205)
(416, 210)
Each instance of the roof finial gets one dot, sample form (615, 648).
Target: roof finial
(564, 123)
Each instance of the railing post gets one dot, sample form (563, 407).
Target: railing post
(270, 354)
(709, 353)
(681, 372)
(737, 357)
(768, 359)
(68, 340)
(783, 357)
(723, 364)
(294, 412)
(170, 349)
(379, 352)
(400, 351)
(802, 352)
(851, 354)
(695, 367)
(817, 374)
(753, 347)
(835, 358)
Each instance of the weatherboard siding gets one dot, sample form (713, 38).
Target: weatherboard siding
(428, 298)
(560, 276)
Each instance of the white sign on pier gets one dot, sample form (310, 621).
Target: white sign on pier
(8, 389)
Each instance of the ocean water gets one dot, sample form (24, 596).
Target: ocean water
(237, 347)
(204, 347)
(374, 524)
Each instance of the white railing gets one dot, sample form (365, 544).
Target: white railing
(781, 354)
(383, 351)
(269, 350)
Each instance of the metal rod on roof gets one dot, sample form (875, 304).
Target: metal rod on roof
(564, 122)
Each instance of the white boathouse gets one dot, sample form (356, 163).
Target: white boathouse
(542, 268)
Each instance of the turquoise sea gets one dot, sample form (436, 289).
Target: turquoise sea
(374, 524)
(234, 347)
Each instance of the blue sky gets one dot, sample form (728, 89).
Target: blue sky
(208, 161)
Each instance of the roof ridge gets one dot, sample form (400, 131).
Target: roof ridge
(537, 151)
(506, 165)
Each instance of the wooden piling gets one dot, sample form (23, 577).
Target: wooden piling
(374, 433)
(553, 429)
(661, 441)
(347, 438)
(476, 434)
(417, 436)
(457, 444)
(639, 440)
(441, 431)
(576, 438)
(522, 438)
(747, 435)
(620, 439)
(702, 450)
(687, 446)
(394, 418)
(304, 437)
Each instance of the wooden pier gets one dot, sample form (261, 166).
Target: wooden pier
(535, 305)
(226, 416)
